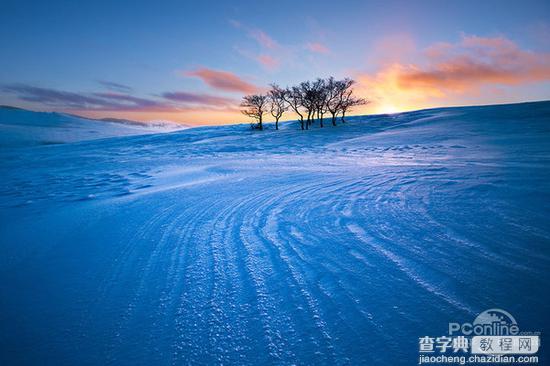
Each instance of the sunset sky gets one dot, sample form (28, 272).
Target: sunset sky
(192, 62)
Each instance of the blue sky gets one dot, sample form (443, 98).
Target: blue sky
(122, 59)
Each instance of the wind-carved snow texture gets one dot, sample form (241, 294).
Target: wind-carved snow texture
(222, 245)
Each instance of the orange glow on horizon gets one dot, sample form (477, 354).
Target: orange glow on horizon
(475, 70)
(195, 117)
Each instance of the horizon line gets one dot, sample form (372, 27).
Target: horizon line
(187, 124)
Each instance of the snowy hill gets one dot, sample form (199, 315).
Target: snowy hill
(340, 245)
(20, 127)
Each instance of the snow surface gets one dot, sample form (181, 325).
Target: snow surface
(21, 128)
(340, 245)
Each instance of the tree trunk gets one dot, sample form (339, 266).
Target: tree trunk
(334, 119)
(261, 125)
(343, 115)
(302, 122)
(277, 124)
(321, 121)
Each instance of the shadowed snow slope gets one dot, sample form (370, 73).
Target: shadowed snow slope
(20, 128)
(340, 245)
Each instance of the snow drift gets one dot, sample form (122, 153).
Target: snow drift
(338, 245)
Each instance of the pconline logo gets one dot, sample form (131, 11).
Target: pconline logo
(492, 322)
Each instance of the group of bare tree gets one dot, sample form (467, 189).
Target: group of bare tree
(310, 100)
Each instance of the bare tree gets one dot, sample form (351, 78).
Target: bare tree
(321, 99)
(277, 102)
(347, 99)
(255, 106)
(335, 91)
(309, 100)
(344, 99)
(293, 96)
(349, 103)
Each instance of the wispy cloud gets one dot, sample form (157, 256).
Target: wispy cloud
(270, 55)
(121, 101)
(115, 86)
(261, 37)
(317, 47)
(67, 100)
(201, 99)
(118, 102)
(222, 80)
(268, 62)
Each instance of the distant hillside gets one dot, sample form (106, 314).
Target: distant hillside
(20, 127)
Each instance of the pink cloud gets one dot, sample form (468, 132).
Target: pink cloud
(258, 35)
(268, 62)
(447, 72)
(475, 61)
(267, 43)
(317, 47)
(262, 38)
(223, 80)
